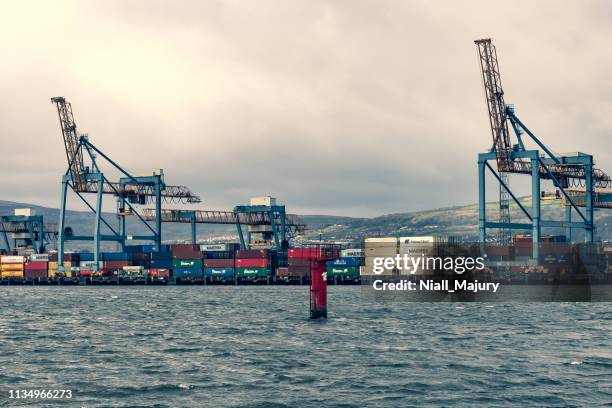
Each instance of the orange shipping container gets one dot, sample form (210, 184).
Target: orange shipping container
(12, 274)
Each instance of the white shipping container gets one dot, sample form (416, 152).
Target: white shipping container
(381, 240)
(12, 259)
(351, 253)
(267, 201)
(425, 248)
(214, 247)
(416, 240)
(88, 264)
(380, 250)
(133, 268)
(39, 257)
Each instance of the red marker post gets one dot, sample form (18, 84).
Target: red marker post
(318, 289)
(316, 255)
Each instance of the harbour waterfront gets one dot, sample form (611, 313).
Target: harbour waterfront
(256, 347)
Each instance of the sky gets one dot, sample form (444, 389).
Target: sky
(347, 107)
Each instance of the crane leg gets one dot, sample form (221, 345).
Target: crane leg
(61, 238)
(535, 204)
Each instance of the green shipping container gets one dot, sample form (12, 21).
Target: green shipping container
(346, 271)
(187, 263)
(253, 272)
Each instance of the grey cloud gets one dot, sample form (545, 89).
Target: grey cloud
(347, 107)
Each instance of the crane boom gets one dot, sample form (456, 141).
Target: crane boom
(78, 172)
(495, 102)
(496, 106)
(74, 155)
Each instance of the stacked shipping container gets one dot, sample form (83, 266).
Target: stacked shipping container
(255, 263)
(379, 248)
(186, 261)
(219, 260)
(346, 267)
(12, 266)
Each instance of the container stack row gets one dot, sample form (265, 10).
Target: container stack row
(216, 262)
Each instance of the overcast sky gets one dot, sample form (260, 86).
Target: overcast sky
(335, 107)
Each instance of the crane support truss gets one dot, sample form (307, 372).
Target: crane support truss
(575, 176)
(601, 198)
(242, 215)
(129, 190)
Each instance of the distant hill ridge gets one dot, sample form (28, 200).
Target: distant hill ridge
(458, 221)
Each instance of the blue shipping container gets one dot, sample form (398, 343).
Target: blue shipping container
(161, 255)
(115, 256)
(218, 254)
(353, 261)
(186, 272)
(161, 263)
(221, 272)
(133, 249)
(152, 248)
(86, 256)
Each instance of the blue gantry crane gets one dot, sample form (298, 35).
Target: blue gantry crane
(26, 230)
(582, 186)
(264, 220)
(129, 191)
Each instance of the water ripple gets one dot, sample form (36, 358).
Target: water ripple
(256, 347)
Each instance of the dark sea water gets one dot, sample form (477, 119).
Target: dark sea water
(256, 347)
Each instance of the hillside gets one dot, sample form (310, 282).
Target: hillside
(82, 223)
(460, 221)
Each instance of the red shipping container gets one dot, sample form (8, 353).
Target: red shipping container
(298, 270)
(86, 272)
(556, 248)
(159, 273)
(298, 262)
(187, 254)
(523, 250)
(36, 265)
(301, 253)
(498, 250)
(282, 271)
(140, 257)
(315, 253)
(35, 273)
(253, 263)
(253, 253)
(219, 263)
(115, 264)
